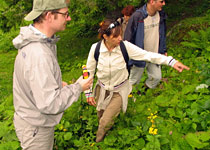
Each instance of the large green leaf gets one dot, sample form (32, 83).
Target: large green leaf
(140, 143)
(162, 101)
(11, 145)
(3, 5)
(67, 136)
(195, 141)
(191, 97)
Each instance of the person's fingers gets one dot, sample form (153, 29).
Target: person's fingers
(87, 100)
(180, 67)
(91, 101)
(186, 67)
(64, 84)
(180, 70)
(176, 67)
(89, 81)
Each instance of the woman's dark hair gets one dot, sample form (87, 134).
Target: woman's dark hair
(109, 27)
(128, 10)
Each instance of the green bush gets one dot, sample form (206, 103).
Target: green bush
(6, 44)
(12, 13)
(182, 109)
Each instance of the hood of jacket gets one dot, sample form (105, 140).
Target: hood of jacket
(28, 35)
(143, 11)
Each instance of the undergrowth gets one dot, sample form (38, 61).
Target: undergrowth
(174, 116)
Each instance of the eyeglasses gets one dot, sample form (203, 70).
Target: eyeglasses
(66, 15)
(162, 1)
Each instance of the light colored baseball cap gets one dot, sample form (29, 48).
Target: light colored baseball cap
(39, 6)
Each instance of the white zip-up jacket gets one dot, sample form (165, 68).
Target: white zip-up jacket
(38, 95)
(112, 71)
(111, 67)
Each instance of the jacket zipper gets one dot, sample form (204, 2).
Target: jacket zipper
(35, 132)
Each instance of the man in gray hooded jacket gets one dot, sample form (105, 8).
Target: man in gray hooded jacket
(39, 95)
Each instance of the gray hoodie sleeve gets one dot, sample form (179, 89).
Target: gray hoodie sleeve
(49, 96)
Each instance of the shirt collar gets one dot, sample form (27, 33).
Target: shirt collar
(104, 48)
(54, 38)
(36, 31)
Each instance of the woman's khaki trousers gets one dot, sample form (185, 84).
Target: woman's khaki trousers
(106, 117)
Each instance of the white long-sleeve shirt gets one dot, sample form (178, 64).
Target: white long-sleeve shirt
(111, 67)
(112, 70)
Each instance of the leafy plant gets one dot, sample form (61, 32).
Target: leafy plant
(183, 120)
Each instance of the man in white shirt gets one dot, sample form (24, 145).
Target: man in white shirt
(147, 29)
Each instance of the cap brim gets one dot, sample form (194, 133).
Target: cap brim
(33, 15)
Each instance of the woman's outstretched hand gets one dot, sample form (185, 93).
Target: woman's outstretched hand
(180, 67)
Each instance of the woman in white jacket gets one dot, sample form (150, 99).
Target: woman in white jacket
(112, 88)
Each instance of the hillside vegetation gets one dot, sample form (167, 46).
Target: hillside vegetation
(174, 116)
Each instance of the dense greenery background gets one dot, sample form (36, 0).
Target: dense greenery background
(181, 107)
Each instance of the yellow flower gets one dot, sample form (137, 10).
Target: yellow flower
(61, 127)
(130, 95)
(153, 125)
(155, 112)
(64, 130)
(151, 130)
(154, 116)
(149, 109)
(155, 131)
(152, 121)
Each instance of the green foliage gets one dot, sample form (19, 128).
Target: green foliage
(85, 20)
(76, 130)
(7, 135)
(181, 9)
(199, 45)
(198, 140)
(12, 13)
(6, 40)
(178, 32)
(153, 144)
(199, 42)
(183, 110)
(6, 69)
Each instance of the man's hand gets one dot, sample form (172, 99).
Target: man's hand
(180, 67)
(64, 84)
(91, 101)
(85, 83)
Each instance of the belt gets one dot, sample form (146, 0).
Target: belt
(116, 86)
